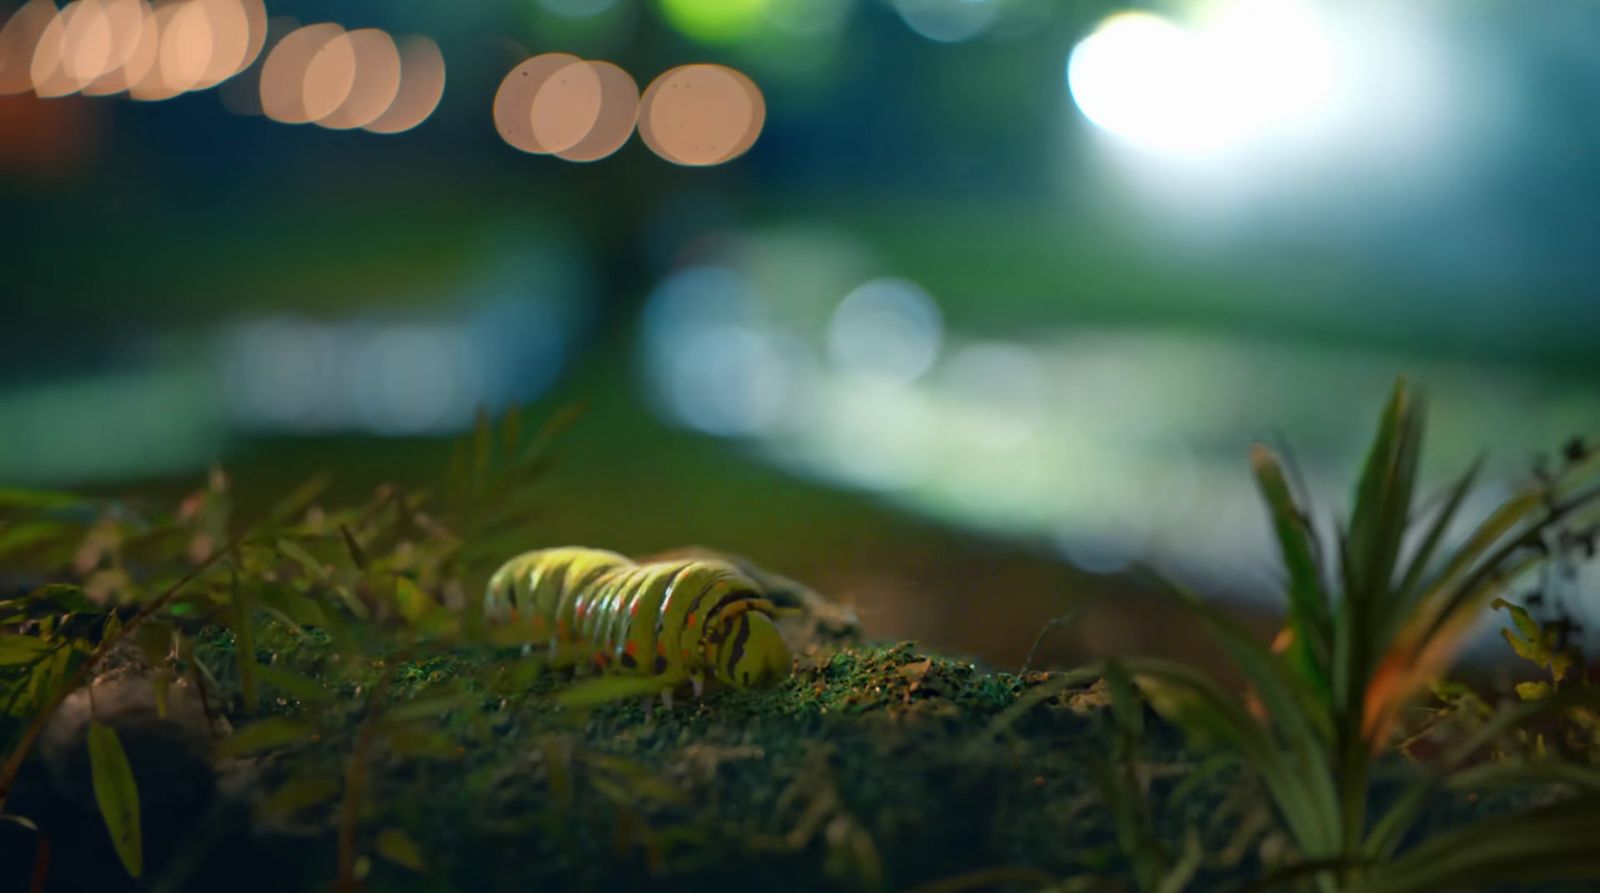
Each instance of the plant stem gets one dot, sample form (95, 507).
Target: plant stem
(13, 763)
(356, 779)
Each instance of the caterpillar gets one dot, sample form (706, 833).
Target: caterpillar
(683, 620)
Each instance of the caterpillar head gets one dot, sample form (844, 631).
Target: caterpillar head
(752, 653)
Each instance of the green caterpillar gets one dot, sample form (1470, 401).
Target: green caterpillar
(682, 620)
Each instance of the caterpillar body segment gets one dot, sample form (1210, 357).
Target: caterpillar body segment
(682, 620)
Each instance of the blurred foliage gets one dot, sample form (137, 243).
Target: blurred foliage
(382, 583)
(339, 656)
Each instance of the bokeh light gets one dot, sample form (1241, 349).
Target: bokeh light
(329, 77)
(375, 80)
(701, 114)
(187, 46)
(1256, 71)
(131, 44)
(18, 40)
(948, 21)
(49, 70)
(614, 121)
(513, 102)
(715, 21)
(888, 329)
(566, 107)
(285, 86)
(421, 87)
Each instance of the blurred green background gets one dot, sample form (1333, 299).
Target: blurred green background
(992, 308)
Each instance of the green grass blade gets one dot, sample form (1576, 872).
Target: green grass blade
(606, 689)
(1308, 598)
(1408, 588)
(1301, 792)
(1551, 843)
(117, 795)
(1383, 495)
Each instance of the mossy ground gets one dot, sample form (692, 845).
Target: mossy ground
(873, 767)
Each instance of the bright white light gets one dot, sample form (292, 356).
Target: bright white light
(889, 329)
(1257, 71)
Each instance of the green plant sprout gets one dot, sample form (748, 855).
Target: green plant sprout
(1368, 628)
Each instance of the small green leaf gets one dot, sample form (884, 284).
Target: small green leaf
(266, 734)
(412, 603)
(159, 685)
(112, 628)
(1532, 691)
(297, 553)
(353, 547)
(37, 499)
(155, 641)
(117, 794)
(20, 536)
(16, 650)
(302, 793)
(605, 689)
(294, 685)
(410, 741)
(394, 845)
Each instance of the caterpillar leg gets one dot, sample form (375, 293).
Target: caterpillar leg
(666, 699)
(698, 683)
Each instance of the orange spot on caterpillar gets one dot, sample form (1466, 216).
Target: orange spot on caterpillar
(685, 654)
(661, 647)
(633, 609)
(691, 620)
(630, 648)
(600, 659)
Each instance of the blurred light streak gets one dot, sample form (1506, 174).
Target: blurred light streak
(391, 377)
(701, 114)
(948, 21)
(887, 329)
(413, 379)
(421, 87)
